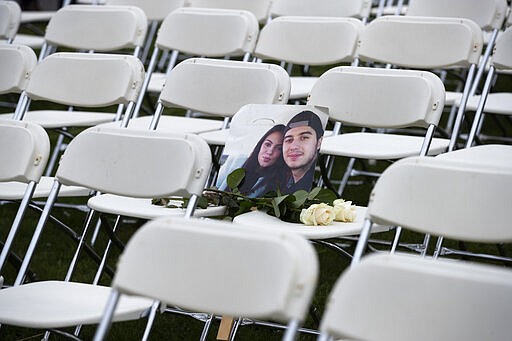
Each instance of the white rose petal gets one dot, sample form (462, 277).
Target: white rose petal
(344, 211)
(317, 214)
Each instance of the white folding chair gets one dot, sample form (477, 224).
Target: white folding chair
(309, 41)
(399, 296)
(218, 87)
(155, 12)
(16, 64)
(215, 87)
(89, 28)
(89, 80)
(260, 8)
(10, 16)
(109, 160)
(203, 32)
(25, 166)
(271, 273)
(359, 9)
(96, 28)
(493, 102)
(407, 42)
(399, 98)
(488, 14)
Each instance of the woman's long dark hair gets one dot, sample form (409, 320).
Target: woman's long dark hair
(253, 171)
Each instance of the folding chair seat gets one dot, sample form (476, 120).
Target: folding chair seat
(499, 103)
(109, 160)
(359, 9)
(271, 273)
(203, 32)
(400, 98)
(384, 290)
(491, 154)
(312, 41)
(10, 16)
(218, 87)
(260, 8)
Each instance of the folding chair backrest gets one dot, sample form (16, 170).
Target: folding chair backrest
(413, 193)
(24, 150)
(397, 298)
(309, 40)
(221, 87)
(100, 28)
(155, 10)
(10, 17)
(488, 14)
(235, 271)
(502, 56)
(145, 164)
(325, 8)
(16, 65)
(421, 42)
(208, 32)
(85, 79)
(260, 8)
(399, 98)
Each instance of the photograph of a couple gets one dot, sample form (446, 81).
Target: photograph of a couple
(284, 156)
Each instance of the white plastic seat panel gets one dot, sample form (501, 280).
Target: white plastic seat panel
(219, 137)
(172, 124)
(496, 103)
(33, 41)
(156, 83)
(490, 154)
(13, 190)
(337, 229)
(301, 87)
(34, 16)
(379, 146)
(47, 305)
(452, 98)
(57, 119)
(142, 208)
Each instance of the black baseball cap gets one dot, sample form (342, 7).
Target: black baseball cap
(306, 118)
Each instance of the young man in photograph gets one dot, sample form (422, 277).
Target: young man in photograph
(301, 144)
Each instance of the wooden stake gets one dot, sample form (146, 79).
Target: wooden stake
(226, 323)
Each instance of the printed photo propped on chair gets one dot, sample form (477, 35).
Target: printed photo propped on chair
(276, 145)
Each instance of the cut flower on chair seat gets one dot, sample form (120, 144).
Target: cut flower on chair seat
(317, 207)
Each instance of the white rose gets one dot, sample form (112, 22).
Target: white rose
(317, 214)
(344, 211)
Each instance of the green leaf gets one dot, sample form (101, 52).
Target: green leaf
(314, 192)
(277, 211)
(278, 200)
(326, 195)
(235, 178)
(300, 198)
